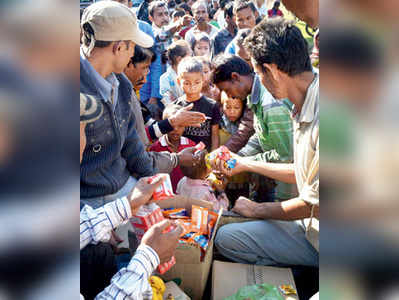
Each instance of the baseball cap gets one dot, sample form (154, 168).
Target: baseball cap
(91, 108)
(113, 21)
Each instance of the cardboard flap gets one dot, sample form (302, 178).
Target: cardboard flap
(227, 278)
(179, 201)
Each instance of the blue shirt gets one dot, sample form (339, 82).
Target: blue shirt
(105, 86)
(231, 48)
(151, 88)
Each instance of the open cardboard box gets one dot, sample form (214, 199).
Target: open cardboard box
(189, 268)
(228, 278)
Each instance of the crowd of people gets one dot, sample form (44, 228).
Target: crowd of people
(158, 81)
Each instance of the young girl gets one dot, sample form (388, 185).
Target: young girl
(195, 186)
(191, 79)
(208, 89)
(169, 89)
(201, 45)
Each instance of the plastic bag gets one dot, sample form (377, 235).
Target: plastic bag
(257, 292)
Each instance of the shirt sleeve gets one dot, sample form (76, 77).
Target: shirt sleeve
(252, 147)
(132, 282)
(139, 163)
(96, 224)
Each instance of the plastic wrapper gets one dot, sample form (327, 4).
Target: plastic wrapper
(201, 240)
(199, 217)
(222, 153)
(175, 213)
(166, 266)
(212, 218)
(147, 216)
(165, 190)
(257, 292)
(186, 225)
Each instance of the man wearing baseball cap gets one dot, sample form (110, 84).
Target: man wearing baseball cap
(98, 265)
(114, 156)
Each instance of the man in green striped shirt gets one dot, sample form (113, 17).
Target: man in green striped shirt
(272, 141)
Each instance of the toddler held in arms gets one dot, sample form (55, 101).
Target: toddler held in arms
(195, 185)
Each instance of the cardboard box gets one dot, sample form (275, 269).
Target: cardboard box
(173, 289)
(189, 268)
(228, 278)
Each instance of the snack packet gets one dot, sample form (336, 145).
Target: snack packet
(199, 219)
(175, 213)
(186, 225)
(146, 216)
(166, 266)
(165, 190)
(201, 240)
(223, 153)
(212, 218)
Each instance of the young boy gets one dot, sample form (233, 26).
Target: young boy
(172, 142)
(190, 77)
(232, 113)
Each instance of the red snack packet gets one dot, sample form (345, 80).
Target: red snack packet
(166, 266)
(200, 146)
(165, 190)
(199, 217)
(146, 216)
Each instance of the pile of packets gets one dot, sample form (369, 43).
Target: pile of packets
(151, 214)
(198, 229)
(222, 153)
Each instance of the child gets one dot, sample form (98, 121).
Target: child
(168, 87)
(195, 186)
(209, 89)
(232, 112)
(172, 142)
(201, 44)
(191, 80)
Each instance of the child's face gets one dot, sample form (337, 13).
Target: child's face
(191, 83)
(232, 107)
(202, 48)
(175, 135)
(207, 74)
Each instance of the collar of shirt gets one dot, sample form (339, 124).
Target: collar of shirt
(309, 106)
(104, 85)
(255, 92)
(163, 140)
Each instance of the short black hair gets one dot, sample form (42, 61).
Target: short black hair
(178, 13)
(228, 10)
(351, 48)
(241, 35)
(177, 49)
(184, 6)
(156, 4)
(278, 41)
(199, 171)
(224, 65)
(141, 55)
(241, 4)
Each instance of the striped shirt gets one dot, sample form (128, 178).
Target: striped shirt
(95, 226)
(272, 141)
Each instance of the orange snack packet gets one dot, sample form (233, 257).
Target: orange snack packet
(212, 218)
(165, 190)
(186, 225)
(199, 217)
